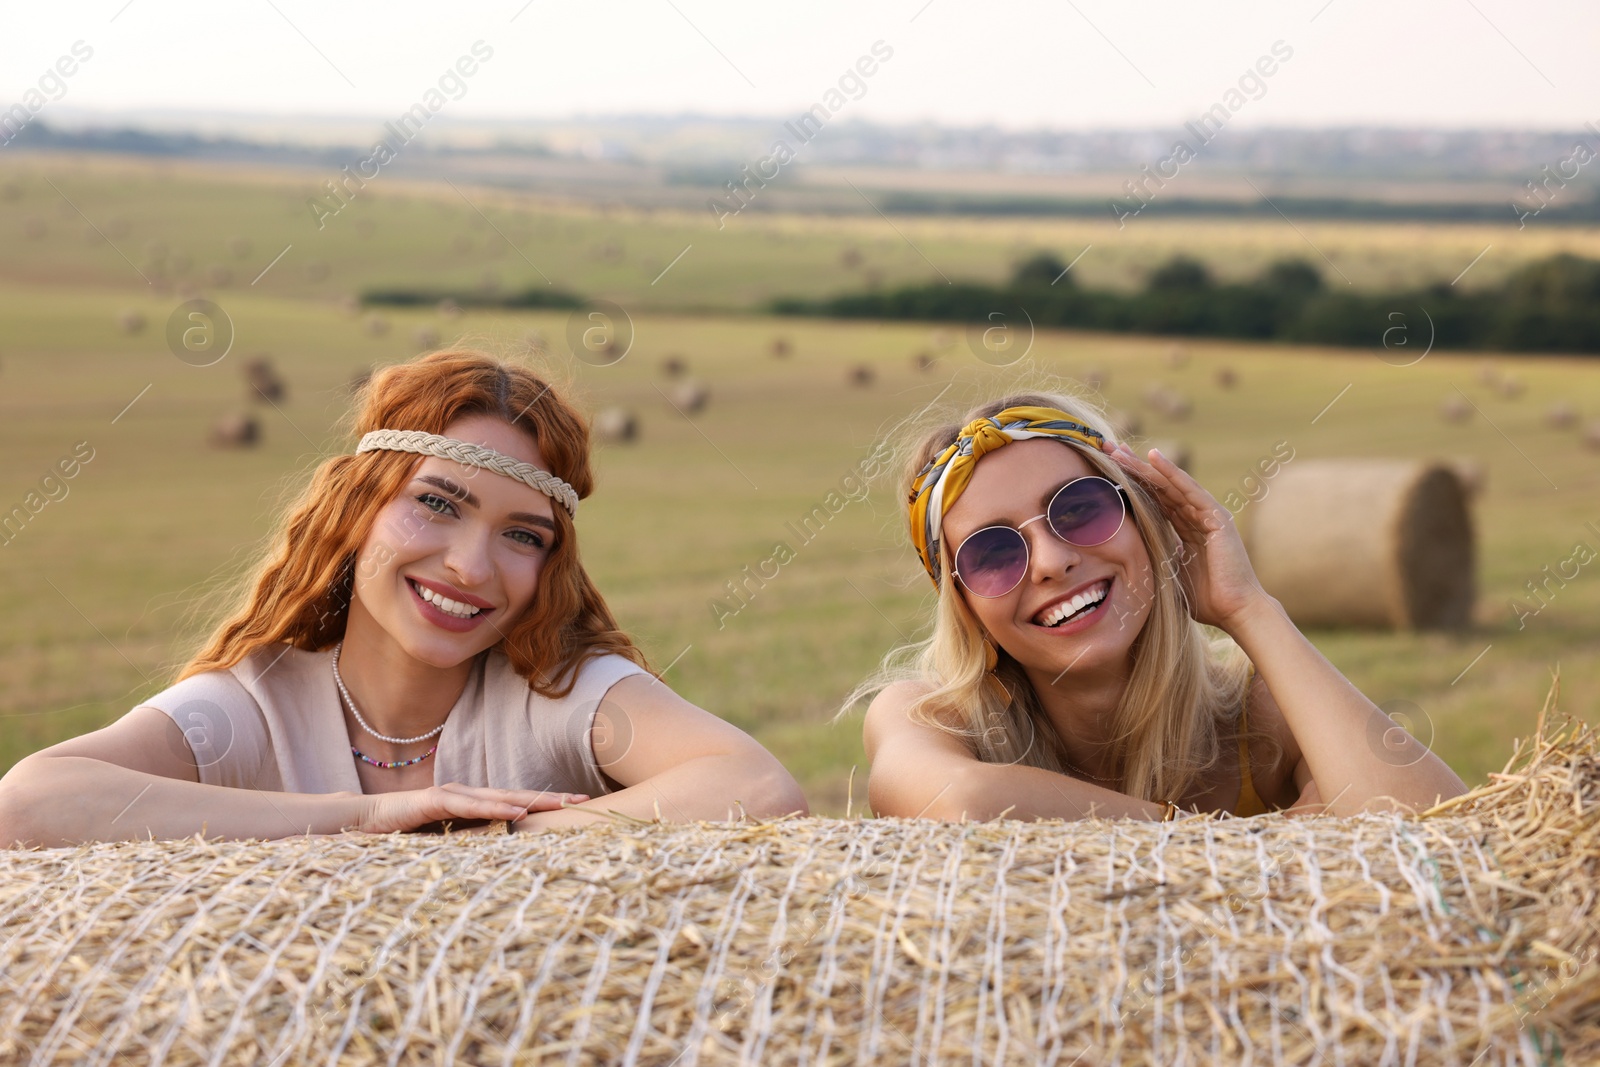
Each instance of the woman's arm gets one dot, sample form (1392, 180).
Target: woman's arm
(920, 771)
(677, 762)
(1335, 723)
(1332, 721)
(137, 779)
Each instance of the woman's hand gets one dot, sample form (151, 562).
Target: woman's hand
(408, 809)
(1214, 569)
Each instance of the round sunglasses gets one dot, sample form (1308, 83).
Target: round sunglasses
(1086, 511)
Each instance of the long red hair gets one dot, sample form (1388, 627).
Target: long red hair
(300, 592)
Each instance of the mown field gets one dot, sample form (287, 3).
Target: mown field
(103, 589)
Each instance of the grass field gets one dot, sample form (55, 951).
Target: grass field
(100, 588)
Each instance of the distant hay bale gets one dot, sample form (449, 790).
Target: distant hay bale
(1455, 408)
(358, 381)
(1462, 935)
(1561, 415)
(449, 309)
(1510, 387)
(1178, 451)
(34, 228)
(1365, 543)
(781, 348)
(674, 366)
(239, 247)
(1227, 378)
(861, 375)
(425, 337)
(219, 276)
(1591, 435)
(234, 431)
(377, 325)
(616, 425)
(1473, 473)
(263, 382)
(1489, 375)
(1124, 424)
(1168, 401)
(690, 396)
(130, 321)
(1096, 378)
(923, 362)
(1177, 356)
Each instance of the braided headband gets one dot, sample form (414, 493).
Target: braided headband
(431, 444)
(940, 484)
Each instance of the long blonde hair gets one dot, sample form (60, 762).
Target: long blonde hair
(1183, 696)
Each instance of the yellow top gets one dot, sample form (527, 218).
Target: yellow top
(1249, 802)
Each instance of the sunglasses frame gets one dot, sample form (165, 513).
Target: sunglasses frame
(1027, 559)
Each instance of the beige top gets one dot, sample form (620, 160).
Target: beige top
(274, 722)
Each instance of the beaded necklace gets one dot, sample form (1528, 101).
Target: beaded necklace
(386, 765)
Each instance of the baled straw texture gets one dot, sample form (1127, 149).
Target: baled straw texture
(1464, 936)
(1365, 542)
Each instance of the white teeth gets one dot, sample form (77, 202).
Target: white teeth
(1068, 608)
(445, 604)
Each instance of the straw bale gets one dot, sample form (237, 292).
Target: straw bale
(1461, 935)
(1365, 542)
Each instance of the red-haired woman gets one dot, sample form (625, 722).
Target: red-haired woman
(421, 644)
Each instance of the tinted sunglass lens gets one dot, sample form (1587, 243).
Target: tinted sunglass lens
(1087, 512)
(991, 562)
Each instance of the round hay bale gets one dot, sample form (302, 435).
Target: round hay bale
(1591, 435)
(1488, 375)
(239, 247)
(1227, 378)
(219, 276)
(1124, 424)
(449, 309)
(34, 228)
(1178, 451)
(234, 431)
(1510, 387)
(536, 342)
(1455, 408)
(262, 380)
(349, 305)
(616, 425)
(1459, 933)
(690, 397)
(317, 270)
(1561, 415)
(861, 375)
(130, 321)
(1096, 378)
(674, 366)
(923, 362)
(1473, 473)
(1177, 357)
(377, 325)
(943, 338)
(781, 348)
(1365, 543)
(425, 337)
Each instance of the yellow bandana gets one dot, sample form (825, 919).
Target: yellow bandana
(940, 484)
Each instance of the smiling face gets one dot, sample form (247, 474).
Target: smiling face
(1034, 622)
(452, 563)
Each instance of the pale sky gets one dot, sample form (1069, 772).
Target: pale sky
(1065, 63)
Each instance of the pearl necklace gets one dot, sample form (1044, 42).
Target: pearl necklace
(357, 711)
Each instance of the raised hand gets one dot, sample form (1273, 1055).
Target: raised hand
(1215, 570)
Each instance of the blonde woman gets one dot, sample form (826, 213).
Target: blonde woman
(420, 644)
(1069, 673)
